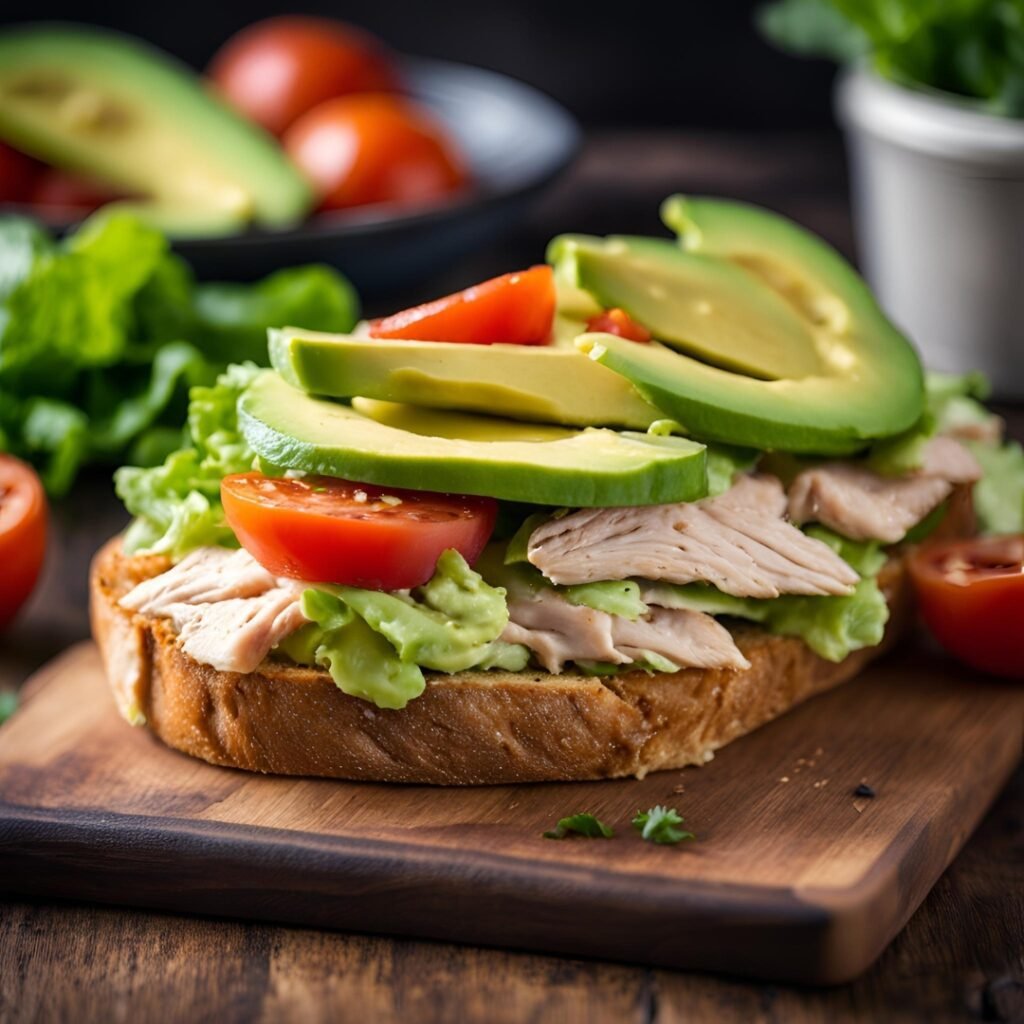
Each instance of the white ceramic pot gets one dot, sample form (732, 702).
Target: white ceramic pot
(938, 193)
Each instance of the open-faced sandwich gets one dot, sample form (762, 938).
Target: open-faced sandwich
(593, 519)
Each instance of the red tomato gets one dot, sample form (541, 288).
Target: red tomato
(971, 594)
(374, 149)
(18, 174)
(618, 321)
(275, 71)
(63, 193)
(22, 534)
(333, 531)
(514, 309)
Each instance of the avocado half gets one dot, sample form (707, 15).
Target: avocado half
(127, 114)
(768, 337)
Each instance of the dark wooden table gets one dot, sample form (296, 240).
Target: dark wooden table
(961, 957)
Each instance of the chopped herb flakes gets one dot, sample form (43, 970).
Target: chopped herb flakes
(658, 825)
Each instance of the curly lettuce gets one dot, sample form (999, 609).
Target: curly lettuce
(102, 335)
(177, 504)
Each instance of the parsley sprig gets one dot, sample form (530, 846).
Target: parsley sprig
(658, 825)
(583, 824)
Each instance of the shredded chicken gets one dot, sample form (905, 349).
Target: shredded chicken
(558, 632)
(739, 542)
(863, 505)
(228, 610)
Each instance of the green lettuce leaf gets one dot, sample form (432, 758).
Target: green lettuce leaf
(103, 333)
(177, 504)
(233, 318)
(999, 494)
(376, 644)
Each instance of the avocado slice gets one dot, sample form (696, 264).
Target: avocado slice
(130, 116)
(867, 383)
(289, 429)
(546, 384)
(704, 306)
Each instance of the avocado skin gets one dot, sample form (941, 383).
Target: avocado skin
(289, 429)
(200, 167)
(870, 384)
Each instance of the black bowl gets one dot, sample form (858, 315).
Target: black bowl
(515, 139)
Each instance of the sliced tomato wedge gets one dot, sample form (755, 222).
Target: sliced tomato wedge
(618, 321)
(971, 595)
(514, 309)
(22, 534)
(334, 531)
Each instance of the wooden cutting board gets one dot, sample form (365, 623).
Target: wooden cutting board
(792, 877)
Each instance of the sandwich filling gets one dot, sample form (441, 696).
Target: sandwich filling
(359, 509)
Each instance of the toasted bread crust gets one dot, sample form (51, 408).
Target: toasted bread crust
(468, 729)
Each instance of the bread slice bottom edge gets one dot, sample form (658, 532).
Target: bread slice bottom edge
(472, 728)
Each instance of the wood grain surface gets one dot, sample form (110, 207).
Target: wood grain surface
(961, 956)
(793, 876)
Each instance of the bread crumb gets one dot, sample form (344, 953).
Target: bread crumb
(821, 784)
(679, 789)
(785, 778)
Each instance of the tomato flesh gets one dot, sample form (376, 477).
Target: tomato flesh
(276, 70)
(326, 530)
(369, 149)
(971, 595)
(18, 175)
(514, 309)
(22, 534)
(618, 321)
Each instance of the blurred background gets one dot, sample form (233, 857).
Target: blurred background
(699, 65)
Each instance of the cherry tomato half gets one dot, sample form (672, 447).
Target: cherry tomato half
(374, 149)
(276, 70)
(618, 321)
(514, 309)
(18, 174)
(971, 595)
(22, 534)
(333, 531)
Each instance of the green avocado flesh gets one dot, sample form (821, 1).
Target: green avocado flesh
(589, 468)
(131, 117)
(859, 379)
(704, 306)
(546, 384)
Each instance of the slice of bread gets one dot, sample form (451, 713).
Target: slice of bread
(466, 729)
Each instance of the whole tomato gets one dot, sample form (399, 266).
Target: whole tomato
(276, 70)
(374, 149)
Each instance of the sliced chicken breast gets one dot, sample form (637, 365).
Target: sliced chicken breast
(739, 542)
(559, 632)
(863, 505)
(228, 610)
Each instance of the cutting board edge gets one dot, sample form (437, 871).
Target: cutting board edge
(854, 911)
(38, 844)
